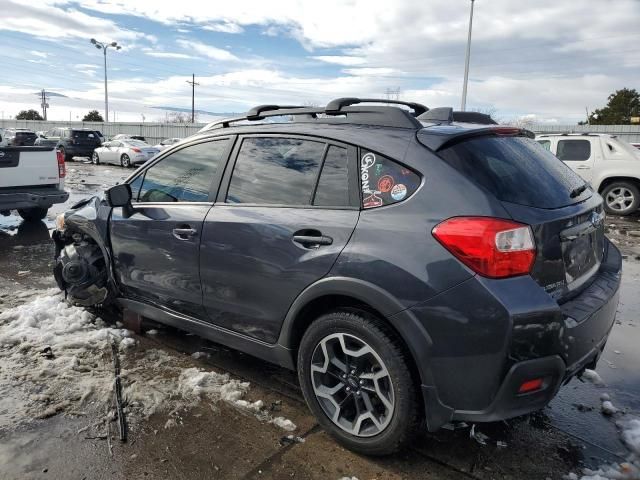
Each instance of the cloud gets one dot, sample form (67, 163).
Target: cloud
(36, 53)
(48, 21)
(379, 71)
(169, 55)
(225, 27)
(208, 51)
(341, 59)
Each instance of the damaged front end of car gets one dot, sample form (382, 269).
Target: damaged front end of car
(82, 258)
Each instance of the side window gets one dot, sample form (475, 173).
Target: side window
(275, 171)
(574, 150)
(136, 183)
(333, 185)
(546, 144)
(383, 181)
(185, 175)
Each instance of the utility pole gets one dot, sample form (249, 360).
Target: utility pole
(463, 107)
(193, 96)
(44, 103)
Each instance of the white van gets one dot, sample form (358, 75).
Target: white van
(611, 165)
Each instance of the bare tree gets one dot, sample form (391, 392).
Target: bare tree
(179, 117)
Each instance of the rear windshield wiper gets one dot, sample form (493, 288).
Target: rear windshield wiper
(578, 190)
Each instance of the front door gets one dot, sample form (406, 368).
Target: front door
(290, 208)
(156, 248)
(579, 154)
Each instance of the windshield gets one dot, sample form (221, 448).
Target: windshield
(517, 170)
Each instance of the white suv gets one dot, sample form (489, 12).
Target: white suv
(611, 165)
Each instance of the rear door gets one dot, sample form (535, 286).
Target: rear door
(156, 247)
(579, 154)
(288, 208)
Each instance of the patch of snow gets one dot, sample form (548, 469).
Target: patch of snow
(284, 423)
(629, 470)
(592, 376)
(152, 332)
(57, 359)
(608, 408)
(198, 355)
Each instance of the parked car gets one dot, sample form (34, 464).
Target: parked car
(72, 142)
(166, 143)
(31, 180)
(409, 263)
(126, 152)
(611, 165)
(125, 136)
(100, 136)
(20, 137)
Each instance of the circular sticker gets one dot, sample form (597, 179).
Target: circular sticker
(386, 183)
(398, 192)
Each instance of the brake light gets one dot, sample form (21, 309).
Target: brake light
(492, 247)
(62, 171)
(137, 150)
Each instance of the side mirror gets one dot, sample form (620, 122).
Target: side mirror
(118, 195)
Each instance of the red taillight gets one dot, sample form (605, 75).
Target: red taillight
(137, 150)
(531, 385)
(492, 247)
(62, 171)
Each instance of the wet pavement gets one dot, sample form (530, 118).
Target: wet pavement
(224, 442)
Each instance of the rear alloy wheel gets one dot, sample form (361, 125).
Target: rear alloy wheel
(33, 214)
(355, 379)
(621, 198)
(125, 161)
(95, 159)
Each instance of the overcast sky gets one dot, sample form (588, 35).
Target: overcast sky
(547, 59)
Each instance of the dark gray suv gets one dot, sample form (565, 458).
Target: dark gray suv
(412, 264)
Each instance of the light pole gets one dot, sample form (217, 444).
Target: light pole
(466, 63)
(104, 47)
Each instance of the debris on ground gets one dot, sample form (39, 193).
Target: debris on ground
(479, 437)
(199, 355)
(501, 444)
(290, 439)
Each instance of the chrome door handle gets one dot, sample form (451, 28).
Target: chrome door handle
(312, 240)
(583, 167)
(184, 233)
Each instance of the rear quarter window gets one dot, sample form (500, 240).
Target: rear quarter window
(516, 170)
(383, 181)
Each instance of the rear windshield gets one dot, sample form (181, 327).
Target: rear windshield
(83, 134)
(517, 170)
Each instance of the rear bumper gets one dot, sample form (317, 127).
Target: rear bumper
(34, 198)
(79, 151)
(507, 332)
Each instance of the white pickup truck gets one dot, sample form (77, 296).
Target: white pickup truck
(611, 165)
(31, 180)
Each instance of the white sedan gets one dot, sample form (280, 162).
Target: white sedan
(124, 152)
(166, 143)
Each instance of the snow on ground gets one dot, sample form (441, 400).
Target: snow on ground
(629, 470)
(57, 358)
(592, 376)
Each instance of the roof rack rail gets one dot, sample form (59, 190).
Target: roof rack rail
(334, 107)
(377, 115)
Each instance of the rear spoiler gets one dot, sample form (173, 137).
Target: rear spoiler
(448, 115)
(439, 137)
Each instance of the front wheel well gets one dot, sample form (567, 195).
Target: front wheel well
(608, 181)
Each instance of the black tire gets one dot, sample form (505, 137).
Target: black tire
(617, 192)
(125, 161)
(33, 214)
(95, 159)
(404, 418)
